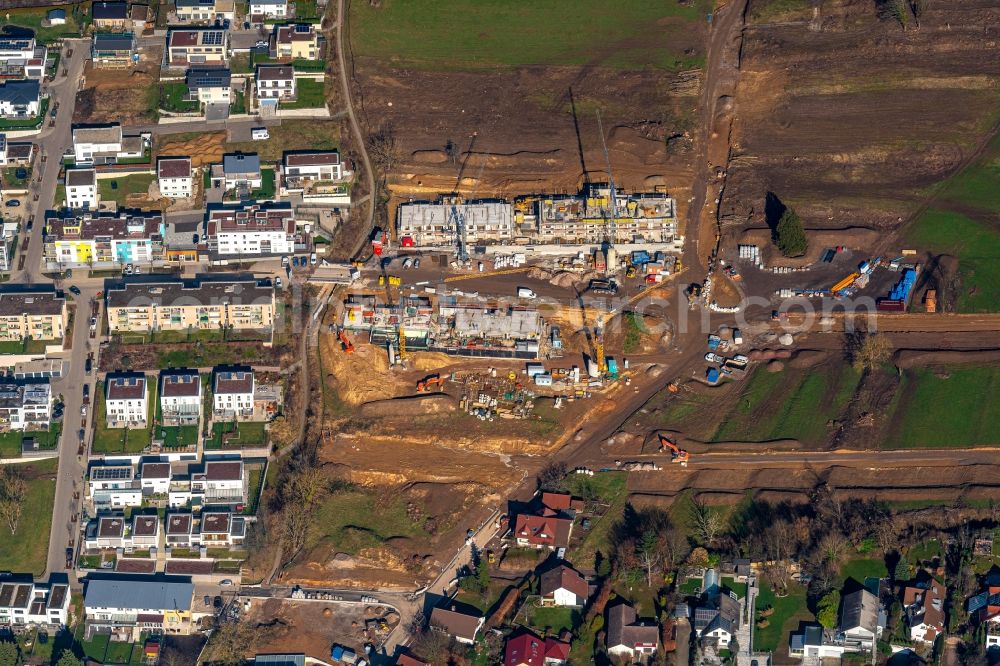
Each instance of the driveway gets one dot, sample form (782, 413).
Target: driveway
(216, 112)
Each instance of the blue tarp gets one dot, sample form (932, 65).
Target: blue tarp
(712, 375)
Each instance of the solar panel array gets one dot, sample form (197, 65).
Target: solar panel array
(212, 38)
(111, 473)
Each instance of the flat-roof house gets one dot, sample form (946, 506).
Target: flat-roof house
(220, 482)
(205, 10)
(197, 46)
(22, 57)
(25, 405)
(27, 602)
(180, 530)
(461, 626)
(209, 85)
(102, 238)
(180, 397)
(124, 602)
(113, 486)
(113, 50)
(629, 636)
(174, 177)
(37, 312)
(105, 144)
(81, 189)
(145, 532)
(232, 393)
(252, 229)
(313, 173)
(154, 478)
(109, 15)
(275, 83)
(19, 99)
(222, 529)
(126, 403)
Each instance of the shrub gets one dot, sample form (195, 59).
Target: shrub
(790, 235)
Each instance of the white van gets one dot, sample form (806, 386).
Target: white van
(259, 134)
(524, 292)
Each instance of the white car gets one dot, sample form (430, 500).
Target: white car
(284, 261)
(277, 282)
(416, 262)
(713, 358)
(407, 263)
(312, 258)
(259, 134)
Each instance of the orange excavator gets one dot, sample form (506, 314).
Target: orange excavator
(345, 343)
(677, 455)
(425, 384)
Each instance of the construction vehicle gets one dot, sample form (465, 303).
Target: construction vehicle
(599, 344)
(345, 343)
(425, 384)
(677, 455)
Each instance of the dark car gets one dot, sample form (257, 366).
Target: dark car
(13, 203)
(194, 238)
(89, 366)
(217, 602)
(82, 434)
(21, 173)
(86, 393)
(69, 558)
(31, 223)
(75, 290)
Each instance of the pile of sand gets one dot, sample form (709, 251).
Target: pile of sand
(203, 150)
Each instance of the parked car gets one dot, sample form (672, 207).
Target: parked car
(261, 43)
(312, 258)
(86, 392)
(712, 357)
(407, 263)
(217, 602)
(13, 203)
(83, 412)
(75, 290)
(207, 600)
(226, 582)
(89, 366)
(284, 261)
(31, 223)
(277, 282)
(416, 262)
(83, 435)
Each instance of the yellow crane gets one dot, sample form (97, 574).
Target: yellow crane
(599, 343)
(402, 342)
(472, 276)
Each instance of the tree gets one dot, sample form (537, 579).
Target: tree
(301, 496)
(552, 477)
(229, 643)
(13, 489)
(826, 609)
(707, 523)
(649, 551)
(902, 571)
(9, 654)
(67, 658)
(790, 235)
(873, 351)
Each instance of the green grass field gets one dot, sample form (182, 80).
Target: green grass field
(173, 96)
(552, 620)
(789, 404)
(351, 520)
(862, 568)
(32, 18)
(122, 440)
(481, 34)
(946, 409)
(135, 184)
(610, 488)
(26, 550)
(309, 95)
(250, 434)
(788, 612)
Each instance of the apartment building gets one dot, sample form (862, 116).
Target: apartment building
(205, 10)
(136, 603)
(25, 405)
(126, 400)
(26, 602)
(275, 83)
(295, 42)
(232, 393)
(174, 177)
(113, 486)
(37, 312)
(209, 85)
(436, 224)
(180, 397)
(197, 46)
(81, 189)
(252, 229)
(103, 239)
(105, 144)
(145, 303)
(22, 57)
(20, 99)
(113, 50)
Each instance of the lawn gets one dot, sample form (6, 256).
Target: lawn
(179, 436)
(553, 619)
(208, 354)
(255, 478)
(27, 549)
(350, 520)
(12, 182)
(173, 97)
(32, 18)
(788, 612)
(239, 104)
(977, 186)
(10, 442)
(299, 64)
(862, 568)
(691, 586)
(944, 407)
(250, 434)
(117, 189)
(292, 135)
(609, 488)
(122, 440)
(309, 95)
(26, 123)
(483, 34)
(793, 404)
(266, 190)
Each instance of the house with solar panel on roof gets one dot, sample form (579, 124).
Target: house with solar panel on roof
(197, 46)
(209, 85)
(130, 604)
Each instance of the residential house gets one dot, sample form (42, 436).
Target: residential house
(232, 393)
(103, 239)
(274, 83)
(25, 405)
(923, 607)
(314, 173)
(113, 50)
(154, 478)
(126, 401)
(13, 153)
(81, 189)
(717, 617)
(209, 85)
(222, 529)
(36, 312)
(106, 533)
(252, 229)
(432, 224)
(145, 303)
(109, 16)
(461, 626)
(295, 42)
(174, 178)
(407, 659)
(527, 649)
(22, 57)
(124, 602)
(197, 46)
(549, 525)
(180, 531)
(26, 602)
(220, 482)
(180, 397)
(19, 99)
(241, 171)
(265, 9)
(859, 625)
(113, 487)
(556, 651)
(563, 586)
(105, 144)
(629, 637)
(205, 10)
(807, 643)
(145, 532)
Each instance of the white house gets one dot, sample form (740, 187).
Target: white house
(210, 85)
(252, 229)
(563, 586)
(222, 529)
(23, 56)
(240, 170)
(173, 177)
(81, 189)
(269, 8)
(180, 397)
(180, 530)
(629, 637)
(114, 486)
(130, 601)
(232, 393)
(126, 401)
(25, 406)
(19, 99)
(145, 532)
(220, 482)
(275, 82)
(25, 601)
(154, 478)
(104, 144)
(859, 621)
(923, 607)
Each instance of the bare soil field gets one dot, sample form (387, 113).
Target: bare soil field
(850, 118)
(125, 96)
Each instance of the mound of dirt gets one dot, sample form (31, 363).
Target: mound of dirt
(418, 405)
(807, 358)
(912, 358)
(204, 149)
(428, 361)
(769, 354)
(564, 279)
(429, 156)
(775, 366)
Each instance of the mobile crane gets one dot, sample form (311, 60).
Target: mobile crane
(677, 454)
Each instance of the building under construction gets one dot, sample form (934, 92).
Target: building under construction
(436, 224)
